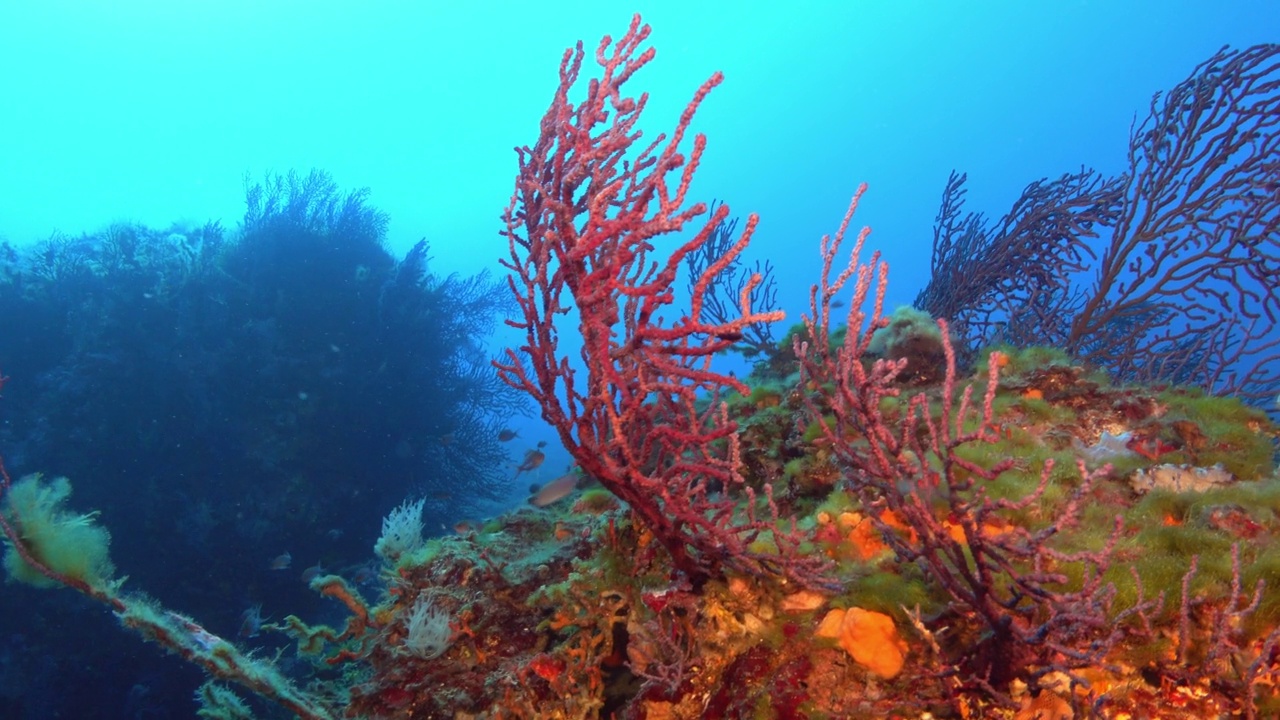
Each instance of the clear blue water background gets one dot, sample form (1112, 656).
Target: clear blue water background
(154, 112)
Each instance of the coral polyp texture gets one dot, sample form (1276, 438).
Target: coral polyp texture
(893, 515)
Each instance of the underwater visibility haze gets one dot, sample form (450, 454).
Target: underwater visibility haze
(515, 361)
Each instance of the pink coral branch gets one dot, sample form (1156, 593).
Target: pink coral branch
(643, 414)
(999, 575)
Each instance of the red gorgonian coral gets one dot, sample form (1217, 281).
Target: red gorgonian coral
(646, 419)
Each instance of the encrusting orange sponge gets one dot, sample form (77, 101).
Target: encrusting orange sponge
(870, 637)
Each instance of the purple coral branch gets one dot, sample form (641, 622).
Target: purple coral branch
(1002, 576)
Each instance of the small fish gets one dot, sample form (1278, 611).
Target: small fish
(251, 622)
(555, 490)
(532, 460)
(312, 573)
(367, 573)
(447, 438)
(464, 527)
(281, 561)
(505, 435)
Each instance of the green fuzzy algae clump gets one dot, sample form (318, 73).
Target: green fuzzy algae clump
(66, 542)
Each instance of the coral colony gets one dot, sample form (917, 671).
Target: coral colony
(911, 514)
